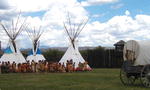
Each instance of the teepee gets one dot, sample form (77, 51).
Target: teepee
(73, 30)
(35, 54)
(12, 52)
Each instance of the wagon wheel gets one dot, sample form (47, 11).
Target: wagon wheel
(145, 76)
(125, 78)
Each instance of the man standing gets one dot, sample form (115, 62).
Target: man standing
(33, 66)
(0, 67)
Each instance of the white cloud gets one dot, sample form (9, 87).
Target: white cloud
(143, 19)
(56, 15)
(97, 2)
(117, 28)
(34, 21)
(52, 20)
(95, 33)
(98, 15)
(117, 6)
(39, 5)
(30, 5)
(3, 4)
(7, 14)
(127, 12)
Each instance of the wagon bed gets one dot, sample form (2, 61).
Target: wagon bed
(130, 73)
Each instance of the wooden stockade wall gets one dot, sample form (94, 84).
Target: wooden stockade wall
(113, 59)
(108, 58)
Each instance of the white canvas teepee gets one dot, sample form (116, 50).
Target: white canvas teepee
(73, 31)
(12, 52)
(74, 54)
(35, 54)
(11, 56)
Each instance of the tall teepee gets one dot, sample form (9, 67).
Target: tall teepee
(35, 54)
(73, 30)
(12, 52)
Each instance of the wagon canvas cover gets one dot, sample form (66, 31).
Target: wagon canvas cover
(138, 51)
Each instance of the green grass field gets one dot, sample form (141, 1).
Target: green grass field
(98, 79)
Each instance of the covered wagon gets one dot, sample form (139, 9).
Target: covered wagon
(136, 63)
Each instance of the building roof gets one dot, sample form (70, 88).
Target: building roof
(121, 42)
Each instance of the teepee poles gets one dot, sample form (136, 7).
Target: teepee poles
(73, 29)
(14, 31)
(35, 35)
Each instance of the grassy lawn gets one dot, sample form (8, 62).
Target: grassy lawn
(98, 79)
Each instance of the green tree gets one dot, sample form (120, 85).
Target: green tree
(53, 55)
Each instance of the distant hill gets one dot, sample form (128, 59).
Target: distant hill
(65, 48)
(45, 48)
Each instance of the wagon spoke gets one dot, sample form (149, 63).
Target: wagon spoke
(125, 79)
(131, 80)
(145, 76)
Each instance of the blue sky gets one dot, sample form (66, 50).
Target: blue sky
(35, 14)
(134, 6)
(107, 11)
(110, 20)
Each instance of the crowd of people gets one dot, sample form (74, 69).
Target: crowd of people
(42, 66)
